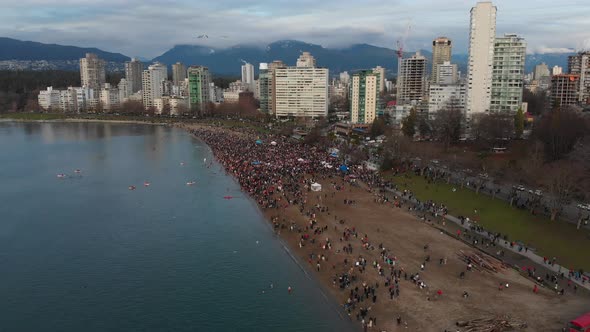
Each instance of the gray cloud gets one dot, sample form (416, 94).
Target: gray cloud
(150, 27)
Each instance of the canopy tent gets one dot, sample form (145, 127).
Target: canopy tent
(273, 143)
(343, 168)
(300, 160)
(258, 141)
(316, 187)
(256, 163)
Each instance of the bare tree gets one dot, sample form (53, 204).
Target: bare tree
(447, 123)
(560, 180)
(559, 131)
(494, 128)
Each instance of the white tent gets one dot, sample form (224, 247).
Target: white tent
(300, 160)
(273, 143)
(316, 187)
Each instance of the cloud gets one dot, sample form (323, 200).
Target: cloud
(150, 27)
(545, 49)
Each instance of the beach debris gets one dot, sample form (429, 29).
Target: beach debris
(481, 262)
(492, 324)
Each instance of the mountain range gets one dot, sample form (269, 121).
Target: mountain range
(228, 61)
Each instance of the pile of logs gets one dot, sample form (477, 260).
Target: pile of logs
(492, 324)
(481, 262)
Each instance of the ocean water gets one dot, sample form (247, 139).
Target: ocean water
(85, 253)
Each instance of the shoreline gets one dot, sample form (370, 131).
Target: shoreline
(328, 281)
(329, 299)
(74, 120)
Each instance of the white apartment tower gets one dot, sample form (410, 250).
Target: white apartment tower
(381, 71)
(482, 34)
(300, 91)
(92, 71)
(152, 83)
(508, 73)
(248, 74)
(133, 72)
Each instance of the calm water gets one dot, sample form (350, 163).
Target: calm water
(84, 253)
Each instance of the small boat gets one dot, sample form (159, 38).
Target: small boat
(182, 163)
(77, 171)
(228, 197)
(190, 183)
(61, 176)
(146, 184)
(131, 187)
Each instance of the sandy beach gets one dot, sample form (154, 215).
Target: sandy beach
(388, 270)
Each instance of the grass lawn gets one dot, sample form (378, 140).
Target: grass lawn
(550, 238)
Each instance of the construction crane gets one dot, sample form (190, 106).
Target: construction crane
(400, 48)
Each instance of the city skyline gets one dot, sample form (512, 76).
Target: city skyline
(148, 28)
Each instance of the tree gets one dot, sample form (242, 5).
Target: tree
(150, 111)
(378, 127)
(424, 128)
(518, 123)
(493, 128)
(537, 102)
(559, 131)
(133, 107)
(182, 109)
(409, 124)
(313, 137)
(447, 124)
(339, 104)
(560, 180)
(166, 110)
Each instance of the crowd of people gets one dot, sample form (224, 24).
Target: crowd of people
(278, 173)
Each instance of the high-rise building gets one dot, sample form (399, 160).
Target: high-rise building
(272, 67)
(124, 87)
(541, 70)
(109, 98)
(133, 72)
(482, 34)
(565, 89)
(579, 64)
(508, 73)
(92, 71)
(441, 96)
(49, 99)
(441, 53)
(306, 60)
(300, 91)
(364, 96)
(412, 80)
(248, 74)
(198, 87)
(153, 83)
(557, 70)
(178, 73)
(381, 71)
(344, 77)
(447, 73)
(264, 82)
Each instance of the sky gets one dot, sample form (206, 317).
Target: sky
(148, 28)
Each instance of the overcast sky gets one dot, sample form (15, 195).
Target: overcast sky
(148, 28)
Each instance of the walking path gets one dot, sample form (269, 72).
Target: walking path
(530, 254)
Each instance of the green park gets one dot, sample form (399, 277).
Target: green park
(550, 239)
